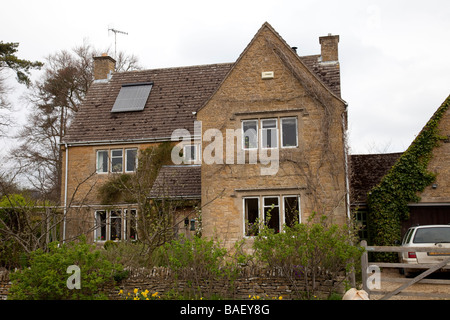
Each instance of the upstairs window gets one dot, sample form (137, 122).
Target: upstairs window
(132, 97)
(269, 133)
(250, 134)
(102, 161)
(130, 160)
(289, 137)
(116, 160)
(190, 153)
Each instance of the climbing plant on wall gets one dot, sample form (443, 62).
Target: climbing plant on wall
(388, 201)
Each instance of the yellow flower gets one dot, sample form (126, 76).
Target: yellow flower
(280, 298)
(136, 290)
(155, 294)
(121, 291)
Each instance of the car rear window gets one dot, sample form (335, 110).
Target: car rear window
(432, 235)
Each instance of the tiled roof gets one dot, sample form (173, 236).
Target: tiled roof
(178, 181)
(327, 72)
(176, 94)
(366, 172)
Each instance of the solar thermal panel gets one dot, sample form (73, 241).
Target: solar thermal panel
(132, 97)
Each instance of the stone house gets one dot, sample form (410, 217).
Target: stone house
(283, 124)
(260, 139)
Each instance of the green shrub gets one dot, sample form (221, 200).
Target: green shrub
(46, 278)
(307, 250)
(195, 260)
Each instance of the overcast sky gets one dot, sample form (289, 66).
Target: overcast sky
(394, 55)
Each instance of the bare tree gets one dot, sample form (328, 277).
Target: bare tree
(54, 99)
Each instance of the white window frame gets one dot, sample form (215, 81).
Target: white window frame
(126, 159)
(282, 131)
(280, 226)
(264, 130)
(118, 216)
(299, 207)
(128, 213)
(116, 157)
(100, 165)
(258, 218)
(243, 134)
(185, 153)
(97, 229)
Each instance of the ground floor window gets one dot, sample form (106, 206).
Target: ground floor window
(361, 222)
(115, 225)
(274, 211)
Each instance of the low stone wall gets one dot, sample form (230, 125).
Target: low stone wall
(5, 284)
(250, 282)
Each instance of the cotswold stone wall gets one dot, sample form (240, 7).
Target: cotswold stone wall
(5, 284)
(267, 284)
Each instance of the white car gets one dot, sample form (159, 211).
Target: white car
(437, 236)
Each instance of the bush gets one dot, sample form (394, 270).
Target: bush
(196, 260)
(306, 251)
(46, 278)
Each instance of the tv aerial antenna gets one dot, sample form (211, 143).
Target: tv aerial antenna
(115, 39)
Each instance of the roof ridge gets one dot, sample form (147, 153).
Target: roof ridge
(178, 67)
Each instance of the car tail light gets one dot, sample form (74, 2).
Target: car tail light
(412, 255)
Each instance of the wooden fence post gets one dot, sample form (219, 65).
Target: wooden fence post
(364, 266)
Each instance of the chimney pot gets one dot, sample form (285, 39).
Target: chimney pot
(329, 47)
(103, 66)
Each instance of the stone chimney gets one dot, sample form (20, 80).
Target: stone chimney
(103, 67)
(329, 48)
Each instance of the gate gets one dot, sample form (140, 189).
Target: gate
(430, 268)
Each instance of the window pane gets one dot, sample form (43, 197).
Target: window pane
(102, 161)
(116, 160)
(272, 213)
(190, 153)
(251, 211)
(291, 211)
(115, 225)
(131, 160)
(250, 134)
(269, 133)
(100, 226)
(133, 224)
(289, 132)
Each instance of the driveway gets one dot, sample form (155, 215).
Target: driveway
(391, 279)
